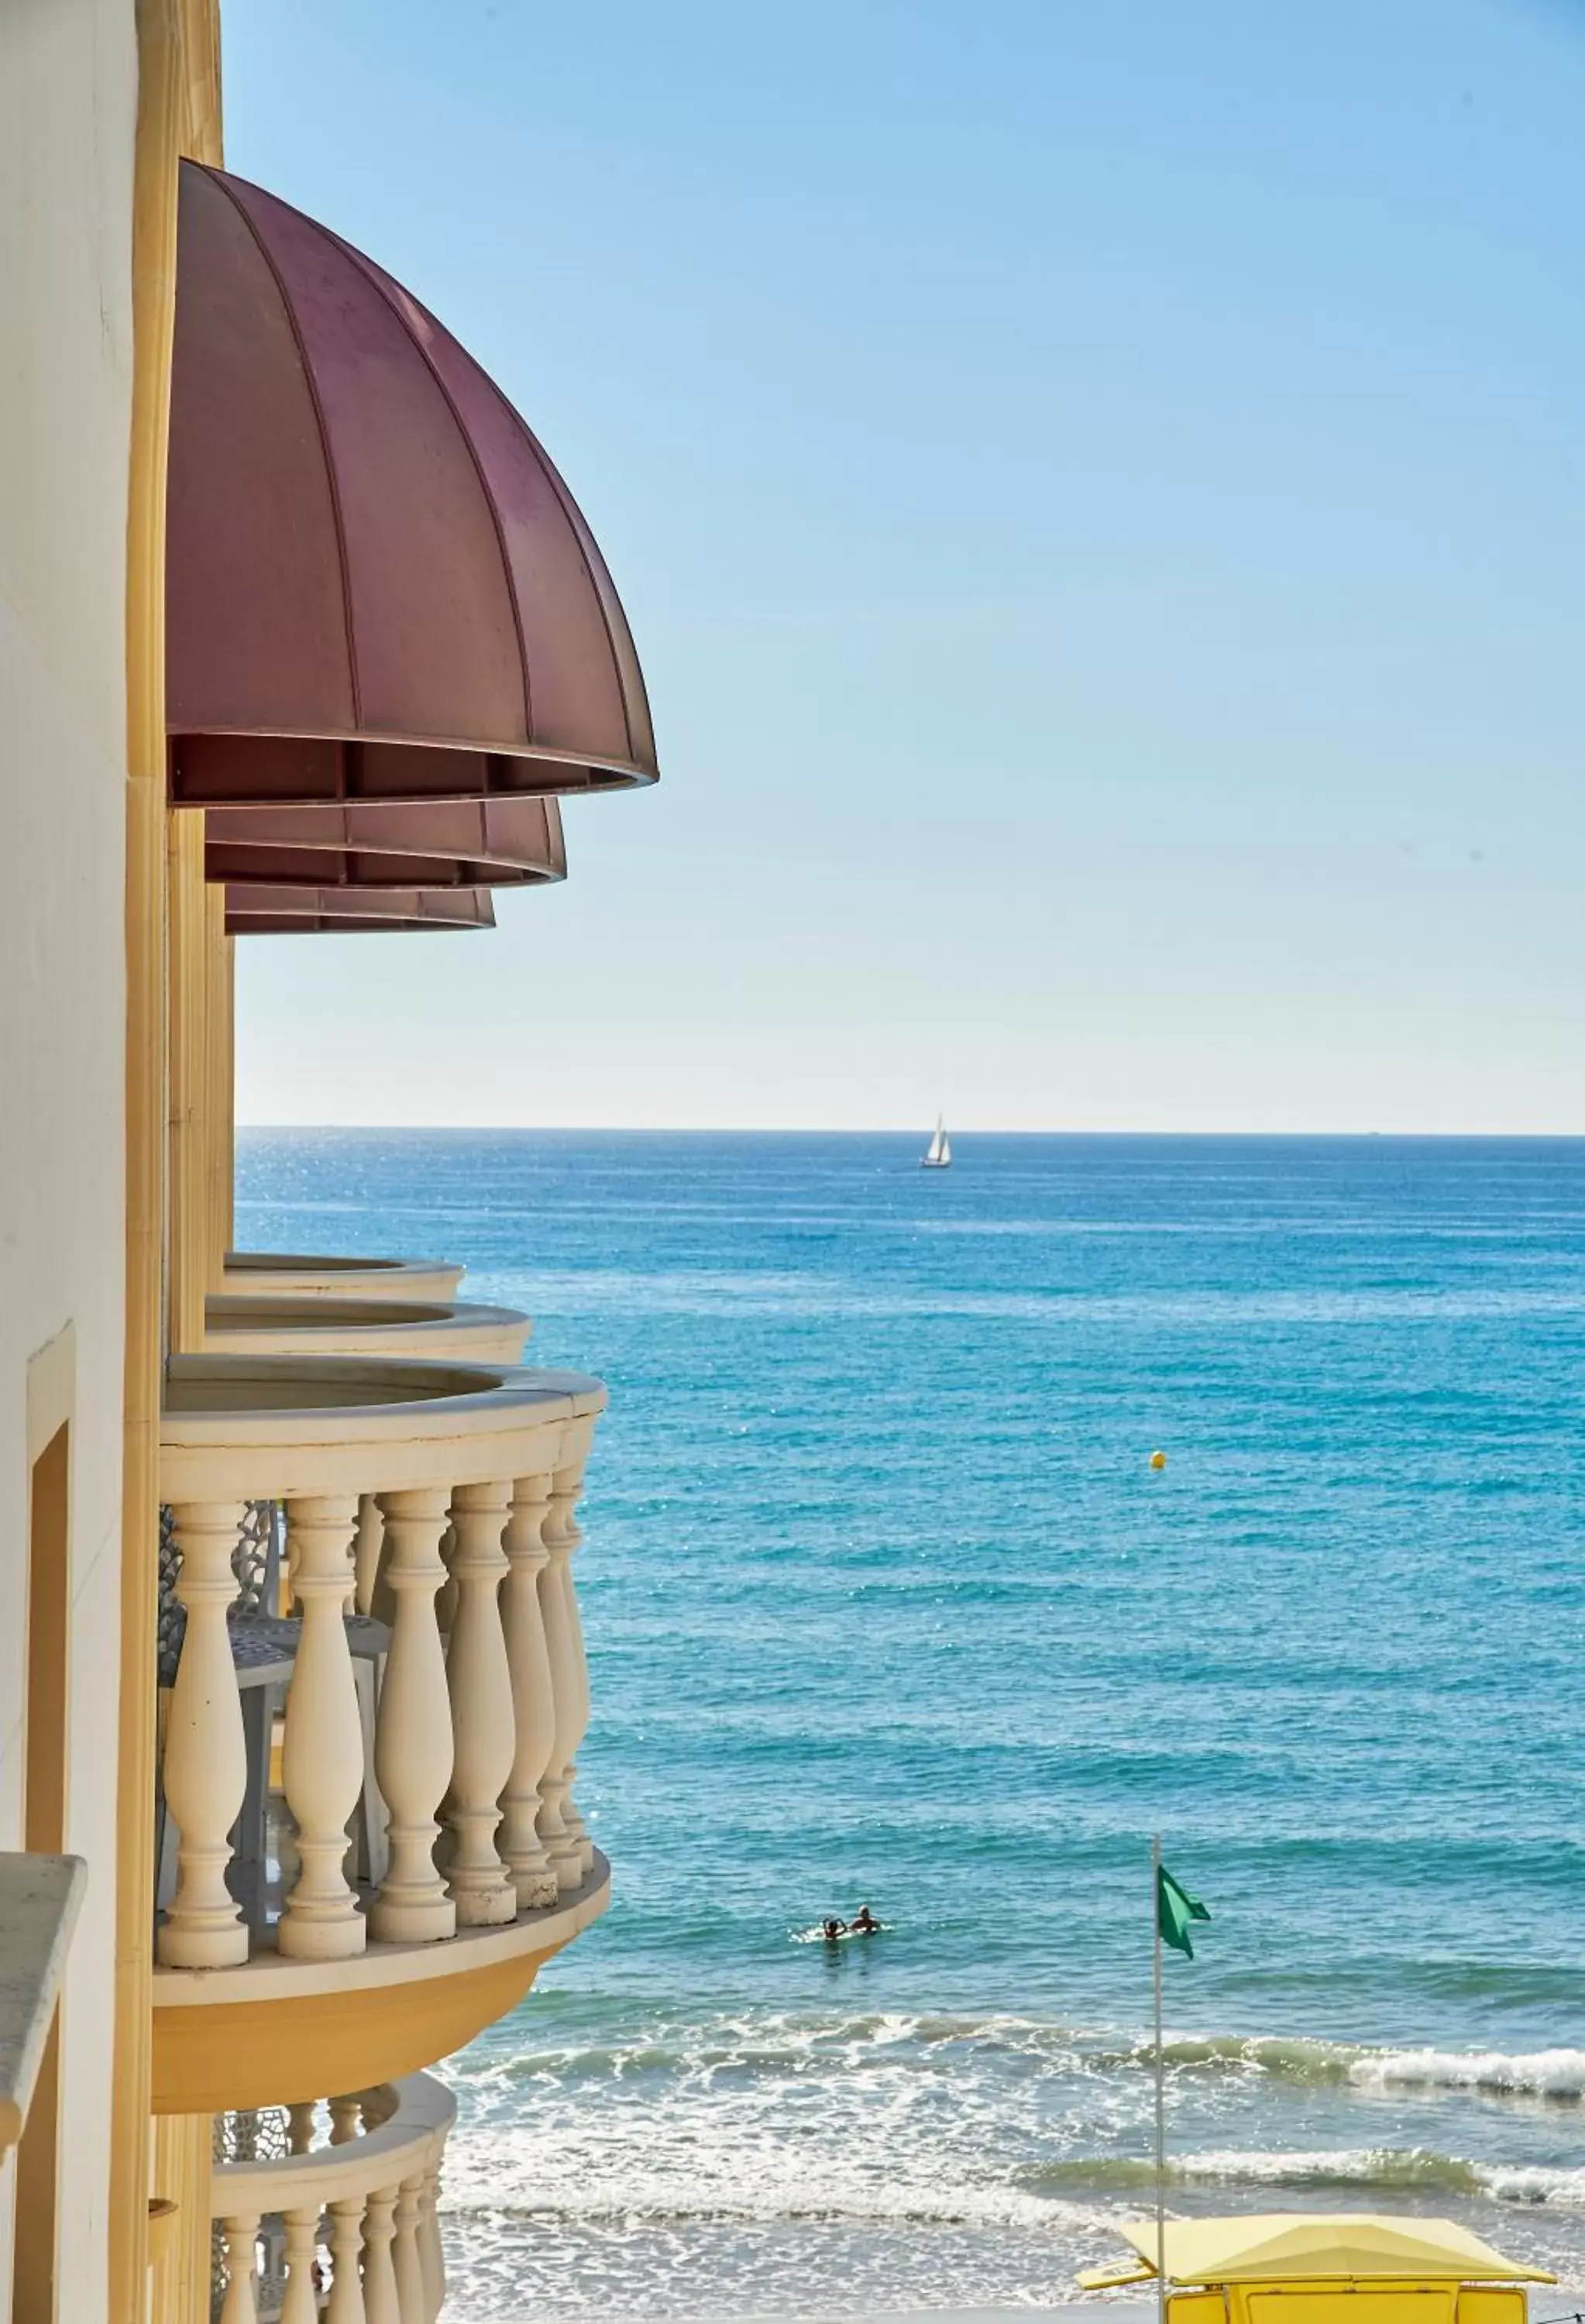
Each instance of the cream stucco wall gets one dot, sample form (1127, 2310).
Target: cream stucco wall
(68, 105)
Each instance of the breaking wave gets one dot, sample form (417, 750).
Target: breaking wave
(1376, 2170)
(790, 2042)
(795, 2191)
(1493, 2073)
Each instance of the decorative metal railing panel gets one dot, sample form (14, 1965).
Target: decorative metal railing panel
(255, 1561)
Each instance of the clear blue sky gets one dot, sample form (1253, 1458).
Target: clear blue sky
(1099, 488)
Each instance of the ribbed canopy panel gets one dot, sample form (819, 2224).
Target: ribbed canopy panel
(378, 585)
(351, 911)
(461, 842)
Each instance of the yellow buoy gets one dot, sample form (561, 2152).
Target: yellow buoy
(1158, 1459)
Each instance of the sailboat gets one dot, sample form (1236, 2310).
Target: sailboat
(938, 1156)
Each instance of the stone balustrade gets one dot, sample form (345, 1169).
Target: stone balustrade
(433, 1505)
(329, 2210)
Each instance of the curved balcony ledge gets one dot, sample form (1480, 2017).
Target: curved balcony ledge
(463, 1330)
(417, 2116)
(275, 1428)
(297, 1275)
(222, 2038)
(533, 1936)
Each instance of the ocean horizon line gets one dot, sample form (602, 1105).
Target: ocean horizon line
(914, 1130)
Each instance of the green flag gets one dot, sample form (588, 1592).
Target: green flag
(1175, 1909)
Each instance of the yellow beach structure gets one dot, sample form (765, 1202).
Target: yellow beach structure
(299, 629)
(1345, 2268)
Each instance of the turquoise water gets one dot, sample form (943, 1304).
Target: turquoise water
(884, 1603)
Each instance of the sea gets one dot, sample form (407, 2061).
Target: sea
(886, 1603)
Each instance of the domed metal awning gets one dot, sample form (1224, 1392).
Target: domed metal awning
(378, 587)
(457, 843)
(291, 910)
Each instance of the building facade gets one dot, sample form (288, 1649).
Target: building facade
(299, 629)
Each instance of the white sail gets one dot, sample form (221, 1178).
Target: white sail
(944, 1157)
(938, 1153)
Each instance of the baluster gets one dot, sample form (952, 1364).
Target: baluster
(347, 2241)
(446, 1604)
(322, 1763)
(240, 2236)
(347, 2120)
(365, 1556)
(429, 2246)
(381, 2304)
(206, 1754)
(481, 1708)
(560, 1824)
(300, 2302)
(578, 1831)
(412, 2297)
(533, 1702)
(300, 2127)
(412, 1733)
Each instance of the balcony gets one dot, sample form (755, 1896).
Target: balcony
(40, 1899)
(340, 2195)
(427, 1686)
(458, 1330)
(279, 1274)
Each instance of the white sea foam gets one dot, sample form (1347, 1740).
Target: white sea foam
(1344, 2166)
(680, 2177)
(689, 2045)
(1559, 2189)
(697, 2162)
(1539, 2073)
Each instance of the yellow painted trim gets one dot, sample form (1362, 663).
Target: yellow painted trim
(153, 308)
(260, 2053)
(179, 109)
(222, 1139)
(190, 1080)
(52, 1401)
(179, 2250)
(201, 125)
(164, 2212)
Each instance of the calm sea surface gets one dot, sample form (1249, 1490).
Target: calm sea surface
(884, 1603)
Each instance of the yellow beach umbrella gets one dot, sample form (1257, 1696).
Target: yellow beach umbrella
(1303, 2246)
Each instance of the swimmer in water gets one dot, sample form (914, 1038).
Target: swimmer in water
(865, 1924)
(832, 1930)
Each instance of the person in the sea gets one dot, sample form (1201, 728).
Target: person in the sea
(864, 1923)
(832, 1930)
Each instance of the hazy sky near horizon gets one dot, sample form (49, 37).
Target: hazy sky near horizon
(1099, 488)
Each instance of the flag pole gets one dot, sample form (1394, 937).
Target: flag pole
(1160, 2086)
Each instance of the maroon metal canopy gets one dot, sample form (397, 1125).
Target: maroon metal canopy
(291, 910)
(457, 843)
(378, 587)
